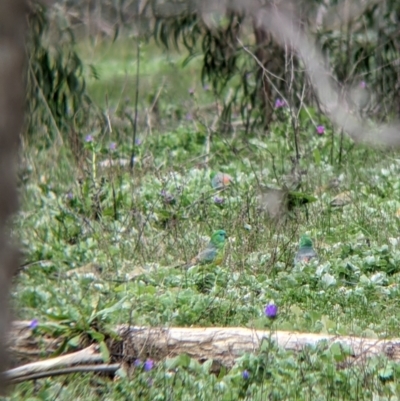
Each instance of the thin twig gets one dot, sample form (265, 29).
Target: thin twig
(155, 100)
(107, 114)
(137, 86)
(266, 72)
(341, 147)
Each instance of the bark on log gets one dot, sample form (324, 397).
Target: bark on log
(26, 347)
(225, 344)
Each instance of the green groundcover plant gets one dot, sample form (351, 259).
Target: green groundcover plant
(142, 225)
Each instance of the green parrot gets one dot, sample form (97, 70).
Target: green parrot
(306, 251)
(213, 253)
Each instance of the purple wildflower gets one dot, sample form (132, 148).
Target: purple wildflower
(189, 116)
(148, 365)
(363, 84)
(33, 324)
(206, 87)
(218, 200)
(137, 363)
(271, 310)
(138, 142)
(113, 146)
(191, 91)
(70, 195)
(320, 129)
(245, 374)
(89, 138)
(279, 103)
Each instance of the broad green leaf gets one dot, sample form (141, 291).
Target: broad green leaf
(105, 353)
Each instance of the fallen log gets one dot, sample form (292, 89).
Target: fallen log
(84, 356)
(25, 345)
(223, 345)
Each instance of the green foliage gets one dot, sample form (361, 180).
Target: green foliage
(345, 293)
(56, 100)
(141, 225)
(362, 50)
(225, 64)
(366, 50)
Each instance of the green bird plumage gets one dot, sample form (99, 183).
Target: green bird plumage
(213, 253)
(306, 251)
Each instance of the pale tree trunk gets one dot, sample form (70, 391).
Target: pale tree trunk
(12, 96)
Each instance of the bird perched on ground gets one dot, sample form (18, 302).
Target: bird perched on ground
(213, 253)
(342, 199)
(220, 180)
(306, 251)
(333, 184)
(92, 271)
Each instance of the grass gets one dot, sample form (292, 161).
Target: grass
(115, 81)
(74, 214)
